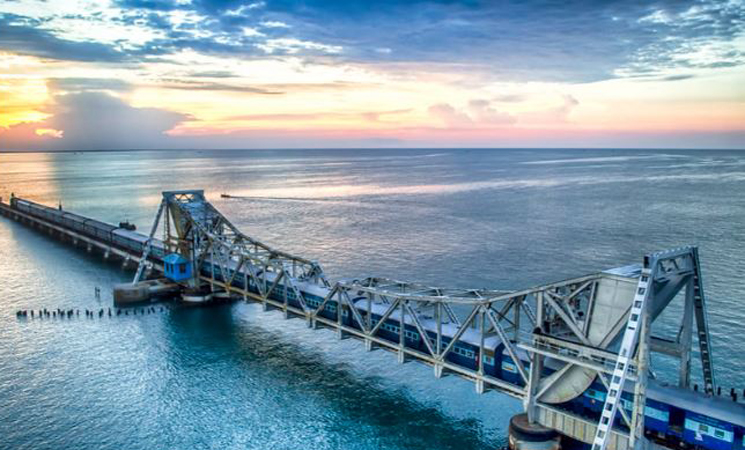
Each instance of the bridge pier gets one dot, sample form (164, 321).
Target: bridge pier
(524, 435)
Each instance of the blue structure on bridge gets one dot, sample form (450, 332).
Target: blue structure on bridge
(176, 267)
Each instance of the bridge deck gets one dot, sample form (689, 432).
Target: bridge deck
(579, 319)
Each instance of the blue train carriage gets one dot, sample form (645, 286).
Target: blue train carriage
(696, 420)
(31, 208)
(73, 221)
(99, 230)
(591, 402)
(465, 352)
(129, 240)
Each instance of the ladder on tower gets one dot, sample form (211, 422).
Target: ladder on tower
(625, 353)
(699, 303)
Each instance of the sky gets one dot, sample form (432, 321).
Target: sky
(140, 74)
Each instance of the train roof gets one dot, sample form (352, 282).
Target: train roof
(721, 408)
(139, 237)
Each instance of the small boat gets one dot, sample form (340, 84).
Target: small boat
(225, 195)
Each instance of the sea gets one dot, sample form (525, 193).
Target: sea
(238, 377)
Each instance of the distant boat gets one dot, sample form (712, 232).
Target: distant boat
(127, 226)
(225, 195)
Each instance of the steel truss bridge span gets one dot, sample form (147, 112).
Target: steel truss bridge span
(560, 339)
(552, 346)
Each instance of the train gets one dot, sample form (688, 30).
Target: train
(674, 417)
(118, 236)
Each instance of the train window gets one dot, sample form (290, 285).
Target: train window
(677, 417)
(719, 434)
(703, 428)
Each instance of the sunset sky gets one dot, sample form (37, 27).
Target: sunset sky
(121, 74)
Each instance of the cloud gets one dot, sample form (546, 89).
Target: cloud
(274, 24)
(292, 46)
(371, 116)
(509, 98)
(207, 86)
(22, 35)
(212, 74)
(75, 84)
(531, 40)
(481, 112)
(449, 115)
(677, 77)
(551, 115)
(93, 121)
(477, 113)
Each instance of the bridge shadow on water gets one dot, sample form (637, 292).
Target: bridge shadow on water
(390, 417)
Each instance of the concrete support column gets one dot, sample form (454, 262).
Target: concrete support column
(524, 435)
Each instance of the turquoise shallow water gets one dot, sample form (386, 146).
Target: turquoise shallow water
(238, 377)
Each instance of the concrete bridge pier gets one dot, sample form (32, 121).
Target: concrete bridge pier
(524, 435)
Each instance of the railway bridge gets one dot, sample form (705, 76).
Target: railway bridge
(576, 353)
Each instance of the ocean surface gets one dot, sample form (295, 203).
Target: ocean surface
(235, 377)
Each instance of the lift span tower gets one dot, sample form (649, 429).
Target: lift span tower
(577, 352)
